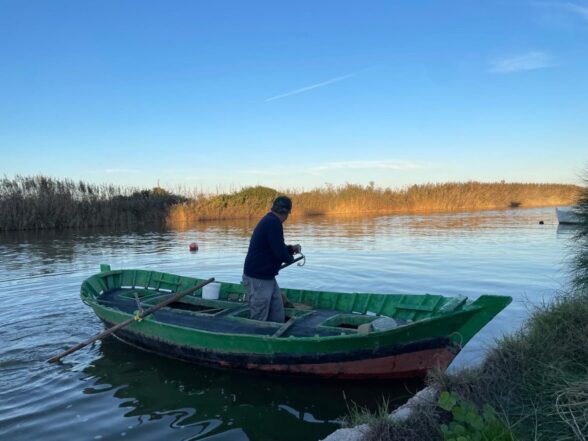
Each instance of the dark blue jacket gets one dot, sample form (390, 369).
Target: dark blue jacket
(267, 250)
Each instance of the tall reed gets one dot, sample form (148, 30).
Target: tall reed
(354, 199)
(40, 202)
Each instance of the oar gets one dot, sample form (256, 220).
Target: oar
(140, 316)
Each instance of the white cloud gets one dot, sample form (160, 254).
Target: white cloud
(263, 172)
(529, 61)
(368, 165)
(574, 8)
(333, 167)
(176, 171)
(113, 171)
(307, 88)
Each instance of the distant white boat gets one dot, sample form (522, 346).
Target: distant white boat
(567, 215)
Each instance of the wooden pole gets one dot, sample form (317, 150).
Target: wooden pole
(289, 324)
(121, 325)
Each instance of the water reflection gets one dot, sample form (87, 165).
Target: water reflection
(203, 401)
(43, 249)
(567, 229)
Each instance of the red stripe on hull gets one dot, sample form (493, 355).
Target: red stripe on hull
(411, 365)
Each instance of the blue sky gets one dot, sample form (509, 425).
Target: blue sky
(222, 94)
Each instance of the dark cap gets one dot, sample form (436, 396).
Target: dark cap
(282, 205)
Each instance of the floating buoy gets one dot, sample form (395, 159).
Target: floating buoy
(193, 246)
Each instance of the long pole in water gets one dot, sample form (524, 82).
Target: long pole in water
(145, 313)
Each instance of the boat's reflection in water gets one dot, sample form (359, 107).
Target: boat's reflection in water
(199, 401)
(567, 229)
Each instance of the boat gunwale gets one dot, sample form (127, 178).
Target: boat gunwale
(466, 312)
(376, 334)
(195, 281)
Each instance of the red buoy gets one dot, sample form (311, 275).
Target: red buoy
(193, 246)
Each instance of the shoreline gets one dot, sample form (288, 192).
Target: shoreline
(376, 213)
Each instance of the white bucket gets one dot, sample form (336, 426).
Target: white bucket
(211, 291)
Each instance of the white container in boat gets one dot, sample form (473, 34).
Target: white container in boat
(211, 291)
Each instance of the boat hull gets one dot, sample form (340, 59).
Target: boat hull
(567, 216)
(402, 361)
(327, 334)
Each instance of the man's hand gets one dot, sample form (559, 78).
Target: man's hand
(296, 248)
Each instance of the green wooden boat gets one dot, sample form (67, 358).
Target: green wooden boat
(327, 334)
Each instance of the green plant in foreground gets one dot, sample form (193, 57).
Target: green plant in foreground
(468, 424)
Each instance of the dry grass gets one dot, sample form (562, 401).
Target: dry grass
(361, 200)
(423, 425)
(40, 202)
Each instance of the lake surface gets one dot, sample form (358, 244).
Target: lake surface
(112, 392)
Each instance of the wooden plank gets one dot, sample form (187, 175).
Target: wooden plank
(289, 323)
(284, 327)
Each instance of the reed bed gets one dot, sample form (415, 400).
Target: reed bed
(40, 202)
(353, 200)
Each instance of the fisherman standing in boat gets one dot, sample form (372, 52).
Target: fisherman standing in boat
(267, 251)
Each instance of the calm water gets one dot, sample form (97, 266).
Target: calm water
(112, 392)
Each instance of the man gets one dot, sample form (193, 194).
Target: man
(267, 251)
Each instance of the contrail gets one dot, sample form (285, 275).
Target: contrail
(529, 61)
(314, 86)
